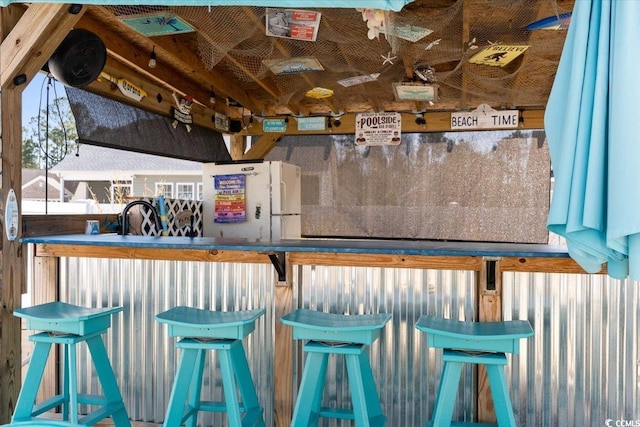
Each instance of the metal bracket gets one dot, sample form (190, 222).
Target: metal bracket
(278, 261)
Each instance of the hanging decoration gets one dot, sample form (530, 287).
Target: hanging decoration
(127, 88)
(319, 93)
(375, 21)
(182, 112)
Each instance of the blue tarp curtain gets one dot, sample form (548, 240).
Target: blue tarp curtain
(592, 123)
(394, 5)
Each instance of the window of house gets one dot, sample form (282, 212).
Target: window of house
(184, 191)
(120, 190)
(199, 192)
(165, 188)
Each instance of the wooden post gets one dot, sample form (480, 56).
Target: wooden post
(45, 278)
(26, 44)
(283, 351)
(12, 269)
(489, 310)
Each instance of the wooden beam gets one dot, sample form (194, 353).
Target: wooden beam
(489, 310)
(33, 40)
(262, 147)
(238, 145)
(12, 267)
(436, 122)
(201, 115)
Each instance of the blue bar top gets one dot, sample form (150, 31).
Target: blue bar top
(352, 246)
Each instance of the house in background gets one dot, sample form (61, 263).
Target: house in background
(38, 187)
(107, 176)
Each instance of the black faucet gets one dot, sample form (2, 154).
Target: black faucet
(125, 221)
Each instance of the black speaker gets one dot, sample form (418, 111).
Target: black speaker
(235, 125)
(79, 59)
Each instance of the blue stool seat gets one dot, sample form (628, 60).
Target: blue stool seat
(204, 330)
(337, 334)
(68, 325)
(478, 343)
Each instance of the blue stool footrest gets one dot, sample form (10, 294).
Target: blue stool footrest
(319, 326)
(482, 336)
(68, 326)
(194, 322)
(67, 318)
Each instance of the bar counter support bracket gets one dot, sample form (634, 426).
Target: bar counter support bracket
(278, 261)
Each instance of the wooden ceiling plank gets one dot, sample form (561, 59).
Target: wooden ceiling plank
(9, 17)
(33, 40)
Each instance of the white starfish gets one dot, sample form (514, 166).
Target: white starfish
(432, 44)
(387, 58)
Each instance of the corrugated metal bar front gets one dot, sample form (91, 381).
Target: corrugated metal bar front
(406, 372)
(143, 356)
(581, 366)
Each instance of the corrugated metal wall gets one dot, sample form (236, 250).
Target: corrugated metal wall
(580, 368)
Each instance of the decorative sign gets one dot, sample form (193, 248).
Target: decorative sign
(352, 81)
(11, 216)
(293, 66)
(222, 121)
(311, 123)
(159, 24)
(498, 55)
(407, 32)
(415, 91)
(293, 24)
(485, 117)
(127, 88)
(274, 125)
(378, 128)
(229, 198)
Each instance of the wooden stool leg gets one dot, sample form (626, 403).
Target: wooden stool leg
(248, 393)
(27, 397)
(364, 394)
(500, 394)
(447, 391)
(307, 410)
(180, 389)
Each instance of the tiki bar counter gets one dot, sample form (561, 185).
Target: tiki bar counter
(399, 213)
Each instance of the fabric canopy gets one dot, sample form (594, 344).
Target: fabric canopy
(592, 129)
(394, 5)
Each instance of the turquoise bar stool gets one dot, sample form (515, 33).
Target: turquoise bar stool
(337, 334)
(68, 325)
(478, 343)
(204, 330)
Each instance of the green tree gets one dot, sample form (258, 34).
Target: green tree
(49, 136)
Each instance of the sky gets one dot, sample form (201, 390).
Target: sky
(35, 94)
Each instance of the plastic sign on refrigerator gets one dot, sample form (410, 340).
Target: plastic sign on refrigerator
(229, 198)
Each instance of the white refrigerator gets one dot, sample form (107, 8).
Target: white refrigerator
(259, 201)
